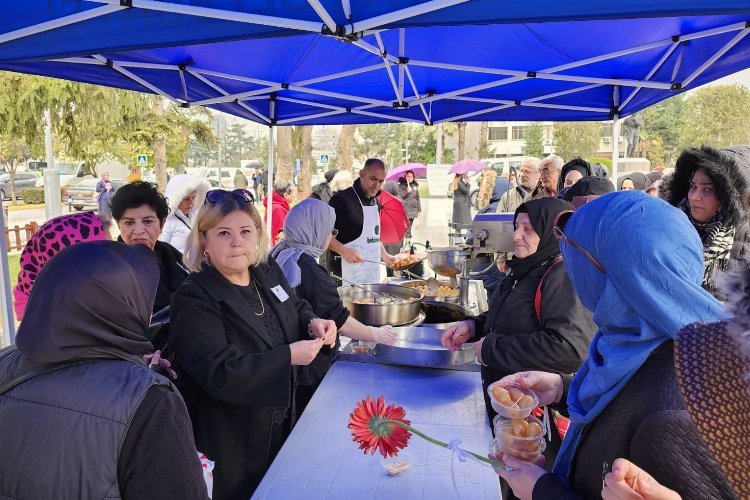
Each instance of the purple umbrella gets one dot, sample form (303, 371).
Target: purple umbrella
(397, 172)
(467, 165)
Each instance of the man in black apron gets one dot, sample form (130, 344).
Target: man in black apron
(358, 226)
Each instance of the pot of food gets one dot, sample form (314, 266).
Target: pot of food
(381, 304)
(447, 261)
(442, 314)
(441, 291)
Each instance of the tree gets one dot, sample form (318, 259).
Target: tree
(576, 139)
(461, 141)
(237, 145)
(345, 148)
(662, 125)
(534, 138)
(718, 115)
(397, 144)
(285, 153)
(13, 152)
(306, 171)
(484, 150)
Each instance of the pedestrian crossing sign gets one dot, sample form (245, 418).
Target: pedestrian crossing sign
(323, 158)
(141, 160)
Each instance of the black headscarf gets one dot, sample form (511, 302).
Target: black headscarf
(91, 298)
(639, 181)
(542, 213)
(588, 186)
(578, 164)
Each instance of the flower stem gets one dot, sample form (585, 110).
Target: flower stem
(493, 463)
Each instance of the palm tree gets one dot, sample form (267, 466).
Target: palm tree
(461, 141)
(284, 153)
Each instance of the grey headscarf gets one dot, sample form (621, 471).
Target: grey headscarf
(91, 298)
(306, 229)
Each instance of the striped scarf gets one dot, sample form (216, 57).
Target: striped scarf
(717, 242)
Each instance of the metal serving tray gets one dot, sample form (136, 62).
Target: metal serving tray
(416, 346)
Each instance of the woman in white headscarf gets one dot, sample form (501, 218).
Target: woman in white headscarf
(308, 230)
(185, 194)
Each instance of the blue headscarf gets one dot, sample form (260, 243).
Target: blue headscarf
(652, 288)
(306, 229)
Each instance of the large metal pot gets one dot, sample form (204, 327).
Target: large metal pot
(392, 313)
(442, 314)
(447, 261)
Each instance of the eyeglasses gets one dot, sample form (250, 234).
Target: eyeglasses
(335, 232)
(560, 222)
(219, 195)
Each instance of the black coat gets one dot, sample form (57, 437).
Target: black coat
(462, 203)
(232, 378)
(646, 423)
(515, 340)
(320, 291)
(321, 192)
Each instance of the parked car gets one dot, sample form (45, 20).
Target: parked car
(212, 174)
(24, 180)
(83, 195)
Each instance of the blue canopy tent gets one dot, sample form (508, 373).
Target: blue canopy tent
(351, 61)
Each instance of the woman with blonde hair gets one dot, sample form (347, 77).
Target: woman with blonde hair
(239, 332)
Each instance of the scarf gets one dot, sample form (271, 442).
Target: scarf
(70, 317)
(54, 235)
(542, 213)
(717, 242)
(635, 308)
(306, 230)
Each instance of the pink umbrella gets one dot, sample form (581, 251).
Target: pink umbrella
(397, 172)
(467, 165)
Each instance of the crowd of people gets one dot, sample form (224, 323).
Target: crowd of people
(603, 310)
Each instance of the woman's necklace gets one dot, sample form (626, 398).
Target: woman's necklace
(262, 307)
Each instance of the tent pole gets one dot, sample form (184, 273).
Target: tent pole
(9, 327)
(734, 41)
(399, 15)
(60, 22)
(269, 186)
(615, 147)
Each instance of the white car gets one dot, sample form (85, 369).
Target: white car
(212, 174)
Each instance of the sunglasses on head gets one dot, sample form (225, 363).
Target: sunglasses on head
(559, 229)
(219, 195)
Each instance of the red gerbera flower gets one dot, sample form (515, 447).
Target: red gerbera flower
(374, 427)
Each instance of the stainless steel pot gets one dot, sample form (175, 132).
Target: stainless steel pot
(447, 261)
(396, 313)
(442, 314)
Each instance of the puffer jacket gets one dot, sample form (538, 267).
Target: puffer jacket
(412, 203)
(177, 226)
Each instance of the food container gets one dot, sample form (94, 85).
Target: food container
(520, 405)
(446, 292)
(519, 434)
(401, 312)
(498, 449)
(443, 314)
(395, 466)
(447, 261)
(361, 347)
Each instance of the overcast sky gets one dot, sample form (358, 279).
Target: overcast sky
(743, 78)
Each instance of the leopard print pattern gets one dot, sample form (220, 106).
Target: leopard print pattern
(52, 237)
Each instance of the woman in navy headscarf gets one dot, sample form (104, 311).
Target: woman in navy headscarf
(624, 401)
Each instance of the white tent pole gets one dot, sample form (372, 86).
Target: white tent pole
(295, 121)
(238, 78)
(337, 95)
(401, 67)
(734, 41)
(232, 97)
(136, 78)
(416, 95)
(336, 76)
(9, 327)
(387, 63)
(368, 47)
(184, 85)
(226, 15)
(615, 147)
(474, 113)
(651, 73)
(399, 15)
(269, 184)
(347, 8)
(130, 64)
(387, 117)
(60, 22)
(310, 103)
(324, 15)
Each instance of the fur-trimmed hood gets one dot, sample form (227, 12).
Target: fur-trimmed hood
(182, 185)
(729, 169)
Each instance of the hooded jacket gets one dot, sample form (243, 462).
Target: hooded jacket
(177, 226)
(728, 169)
(586, 169)
(279, 208)
(111, 427)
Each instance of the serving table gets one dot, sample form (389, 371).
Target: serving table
(320, 461)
